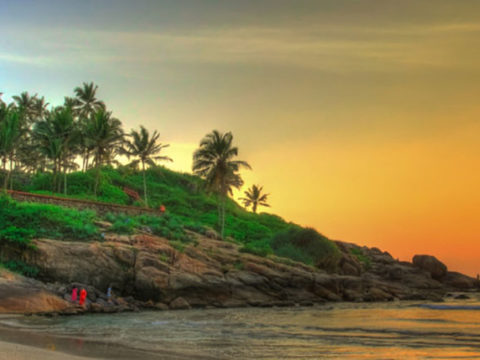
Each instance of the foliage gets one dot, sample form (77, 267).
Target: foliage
(259, 247)
(40, 220)
(18, 237)
(21, 268)
(365, 260)
(306, 245)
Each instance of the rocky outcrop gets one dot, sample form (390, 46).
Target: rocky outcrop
(431, 264)
(22, 295)
(147, 271)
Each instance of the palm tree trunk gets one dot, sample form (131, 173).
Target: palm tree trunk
(223, 217)
(11, 175)
(65, 180)
(54, 180)
(97, 179)
(144, 185)
(254, 208)
(5, 180)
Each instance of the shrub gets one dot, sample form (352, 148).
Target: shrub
(42, 220)
(17, 237)
(21, 268)
(259, 248)
(306, 245)
(364, 260)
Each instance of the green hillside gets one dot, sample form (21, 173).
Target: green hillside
(188, 207)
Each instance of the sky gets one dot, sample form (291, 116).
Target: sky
(359, 118)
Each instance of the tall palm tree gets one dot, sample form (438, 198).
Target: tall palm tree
(105, 135)
(145, 149)
(254, 198)
(85, 105)
(10, 133)
(213, 161)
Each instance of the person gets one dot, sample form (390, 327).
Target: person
(109, 294)
(83, 296)
(74, 294)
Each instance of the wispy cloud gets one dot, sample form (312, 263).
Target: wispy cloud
(329, 48)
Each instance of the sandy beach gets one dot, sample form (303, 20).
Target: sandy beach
(11, 351)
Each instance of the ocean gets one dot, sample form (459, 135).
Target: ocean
(395, 330)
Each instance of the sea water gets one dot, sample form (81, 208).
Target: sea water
(395, 330)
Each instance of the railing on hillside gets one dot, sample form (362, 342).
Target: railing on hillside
(99, 207)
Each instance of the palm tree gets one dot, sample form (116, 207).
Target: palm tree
(26, 106)
(87, 102)
(144, 148)
(10, 132)
(213, 161)
(105, 135)
(254, 197)
(85, 105)
(56, 136)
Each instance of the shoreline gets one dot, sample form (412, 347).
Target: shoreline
(15, 351)
(25, 344)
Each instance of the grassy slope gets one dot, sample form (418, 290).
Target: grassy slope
(189, 207)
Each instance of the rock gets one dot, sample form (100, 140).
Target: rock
(459, 281)
(103, 225)
(179, 304)
(212, 234)
(430, 264)
(161, 306)
(20, 295)
(376, 294)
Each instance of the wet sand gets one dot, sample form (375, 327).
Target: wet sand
(11, 351)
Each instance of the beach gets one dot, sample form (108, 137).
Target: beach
(11, 351)
(394, 330)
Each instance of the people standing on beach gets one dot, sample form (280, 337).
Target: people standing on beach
(74, 294)
(83, 296)
(109, 294)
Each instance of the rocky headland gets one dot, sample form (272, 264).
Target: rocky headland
(147, 272)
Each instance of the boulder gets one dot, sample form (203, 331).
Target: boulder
(431, 264)
(459, 281)
(179, 304)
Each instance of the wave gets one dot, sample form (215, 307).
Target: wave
(449, 307)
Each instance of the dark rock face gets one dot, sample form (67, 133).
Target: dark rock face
(431, 264)
(460, 281)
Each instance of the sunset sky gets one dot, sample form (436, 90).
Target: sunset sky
(360, 118)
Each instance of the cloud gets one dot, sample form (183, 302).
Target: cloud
(336, 48)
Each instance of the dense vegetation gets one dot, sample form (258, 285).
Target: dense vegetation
(40, 152)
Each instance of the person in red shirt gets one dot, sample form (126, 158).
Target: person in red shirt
(74, 294)
(83, 296)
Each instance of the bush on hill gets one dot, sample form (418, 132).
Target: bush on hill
(306, 245)
(17, 220)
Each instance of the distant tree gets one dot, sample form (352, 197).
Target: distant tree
(254, 198)
(214, 161)
(105, 137)
(145, 148)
